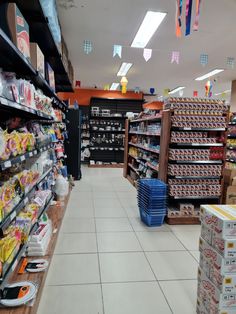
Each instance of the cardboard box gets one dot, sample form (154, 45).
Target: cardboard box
(225, 247)
(211, 297)
(210, 259)
(220, 218)
(37, 58)
(213, 310)
(15, 26)
(231, 195)
(229, 175)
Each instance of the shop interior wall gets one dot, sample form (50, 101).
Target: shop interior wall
(83, 96)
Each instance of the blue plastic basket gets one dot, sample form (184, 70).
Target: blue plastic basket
(151, 220)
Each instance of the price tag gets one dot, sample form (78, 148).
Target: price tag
(187, 129)
(14, 265)
(7, 164)
(195, 144)
(26, 200)
(30, 154)
(22, 158)
(38, 201)
(13, 215)
(35, 152)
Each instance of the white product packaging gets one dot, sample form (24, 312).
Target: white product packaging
(202, 310)
(226, 247)
(210, 297)
(211, 260)
(220, 218)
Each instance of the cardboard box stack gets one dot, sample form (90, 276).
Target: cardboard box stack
(217, 267)
(229, 186)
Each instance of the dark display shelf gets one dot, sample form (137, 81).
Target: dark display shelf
(18, 159)
(213, 162)
(144, 133)
(232, 136)
(198, 129)
(194, 197)
(38, 24)
(233, 161)
(13, 60)
(5, 223)
(107, 118)
(146, 119)
(198, 144)
(145, 148)
(106, 131)
(193, 177)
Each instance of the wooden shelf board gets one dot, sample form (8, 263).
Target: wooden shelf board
(183, 221)
(56, 214)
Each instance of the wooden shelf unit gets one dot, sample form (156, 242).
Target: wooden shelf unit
(164, 161)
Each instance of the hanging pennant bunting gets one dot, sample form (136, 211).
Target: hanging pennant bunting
(147, 54)
(197, 16)
(230, 62)
(152, 90)
(106, 87)
(189, 4)
(175, 57)
(117, 51)
(208, 89)
(137, 90)
(204, 59)
(195, 93)
(178, 18)
(88, 46)
(181, 92)
(223, 95)
(124, 83)
(77, 83)
(166, 92)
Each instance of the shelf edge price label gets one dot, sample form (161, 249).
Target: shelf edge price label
(26, 200)
(30, 154)
(13, 215)
(14, 265)
(7, 164)
(22, 158)
(187, 129)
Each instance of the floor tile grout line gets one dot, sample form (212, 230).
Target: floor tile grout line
(165, 297)
(99, 265)
(101, 283)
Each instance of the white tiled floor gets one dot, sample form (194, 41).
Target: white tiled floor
(107, 262)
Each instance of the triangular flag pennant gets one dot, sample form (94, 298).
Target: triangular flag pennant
(152, 90)
(175, 57)
(230, 62)
(188, 14)
(223, 95)
(166, 92)
(117, 51)
(195, 93)
(197, 17)
(88, 46)
(147, 54)
(204, 59)
(137, 90)
(106, 87)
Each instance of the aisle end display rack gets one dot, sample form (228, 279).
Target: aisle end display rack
(190, 150)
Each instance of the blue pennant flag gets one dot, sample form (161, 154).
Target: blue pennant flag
(117, 51)
(88, 46)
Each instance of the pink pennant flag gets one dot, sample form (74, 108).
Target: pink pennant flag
(175, 57)
(147, 54)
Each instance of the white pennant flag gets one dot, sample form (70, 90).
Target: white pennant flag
(147, 54)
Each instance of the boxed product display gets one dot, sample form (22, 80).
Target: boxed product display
(221, 219)
(37, 58)
(15, 26)
(49, 75)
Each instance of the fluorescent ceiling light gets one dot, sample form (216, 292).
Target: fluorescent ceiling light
(177, 89)
(212, 73)
(224, 92)
(114, 86)
(147, 29)
(124, 69)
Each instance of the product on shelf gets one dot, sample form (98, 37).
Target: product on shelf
(15, 26)
(195, 170)
(214, 153)
(217, 271)
(37, 58)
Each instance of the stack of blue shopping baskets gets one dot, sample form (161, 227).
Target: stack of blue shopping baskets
(152, 201)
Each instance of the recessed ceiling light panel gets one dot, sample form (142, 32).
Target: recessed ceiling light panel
(148, 28)
(177, 89)
(209, 74)
(124, 69)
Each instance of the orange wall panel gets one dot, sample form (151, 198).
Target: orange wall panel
(83, 96)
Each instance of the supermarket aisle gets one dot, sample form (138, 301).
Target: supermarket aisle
(106, 261)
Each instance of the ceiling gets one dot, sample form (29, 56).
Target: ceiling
(109, 22)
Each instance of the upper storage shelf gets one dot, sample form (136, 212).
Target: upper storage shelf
(38, 24)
